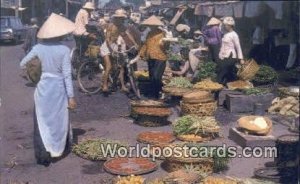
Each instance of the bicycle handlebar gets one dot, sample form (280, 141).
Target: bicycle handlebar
(124, 52)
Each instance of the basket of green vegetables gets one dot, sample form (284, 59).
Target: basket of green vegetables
(192, 128)
(178, 86)
(265, 75)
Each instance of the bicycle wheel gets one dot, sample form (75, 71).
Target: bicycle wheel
(90, 77)
(75, 62)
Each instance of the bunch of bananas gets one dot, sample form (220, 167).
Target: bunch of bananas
(130, 180)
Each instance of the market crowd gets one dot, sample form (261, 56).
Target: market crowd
(153, 39)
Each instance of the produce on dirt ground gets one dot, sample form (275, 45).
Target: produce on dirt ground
(288, 106)
(92, 148)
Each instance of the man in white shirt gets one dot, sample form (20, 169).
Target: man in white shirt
(81, 20)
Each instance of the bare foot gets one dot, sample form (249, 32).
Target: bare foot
(124, 90)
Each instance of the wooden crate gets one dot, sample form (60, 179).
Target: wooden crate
(245, 103)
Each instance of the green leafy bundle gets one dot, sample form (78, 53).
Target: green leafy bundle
(180, 82)
(265, 75)
(92, 149)
(207, 70)
(192, 124)
(256, 91)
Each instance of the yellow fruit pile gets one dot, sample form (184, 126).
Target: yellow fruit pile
(130, 180)
(215, 180)
(141, 74)
(208, 85)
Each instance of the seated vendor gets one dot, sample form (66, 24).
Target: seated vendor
(184, 66)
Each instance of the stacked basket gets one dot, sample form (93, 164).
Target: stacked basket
(150, 113)
(199, 103)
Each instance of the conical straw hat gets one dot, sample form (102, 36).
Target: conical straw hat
(153, 21)
(56, 26)
(120, 13)
(89, 5)
(213, 21)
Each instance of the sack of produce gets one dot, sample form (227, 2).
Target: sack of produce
(288, 106)
(93, 51)
(258, 125)
(34, 70)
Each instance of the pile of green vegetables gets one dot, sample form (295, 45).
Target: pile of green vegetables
(92, 149)
(207, 70)
(180, 82)
(265, 75)
(191, 124)
(220, 157)
(184, 42)
(174, 57)
(256, 91)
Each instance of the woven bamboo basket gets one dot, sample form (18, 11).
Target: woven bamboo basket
(182, 176)
(253, 129)
(200, 109)
(158, 147)
(147, 103)
(174, 91)
(151, 121)
(155, 137)
(200, 137)
(203, 165)
(192, 138)
(248, 71)
(151, 111)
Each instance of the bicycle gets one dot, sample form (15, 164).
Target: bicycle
(90, 73)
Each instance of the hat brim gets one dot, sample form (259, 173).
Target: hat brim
(55, 26)
(89, 8)
(119, 16)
